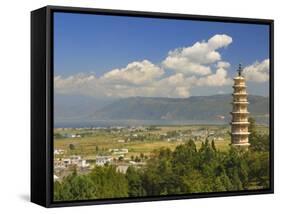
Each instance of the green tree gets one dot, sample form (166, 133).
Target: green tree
(74, 187)
(258, 141)
(237, 184)
(108, 182)
(219, 186)
(135, 188)
(213, 145)
(226, 182)
(71, 146)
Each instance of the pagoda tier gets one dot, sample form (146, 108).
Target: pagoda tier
(239, 123)
(234, 123)
(239, 101)
(240, 94)
(241, 86)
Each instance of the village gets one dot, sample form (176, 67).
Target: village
(83, 149)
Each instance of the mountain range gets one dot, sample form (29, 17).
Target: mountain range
(204, 108)
(213, 108)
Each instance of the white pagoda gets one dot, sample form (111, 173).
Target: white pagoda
(239, 123)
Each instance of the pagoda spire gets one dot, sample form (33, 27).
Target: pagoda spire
(239, 70)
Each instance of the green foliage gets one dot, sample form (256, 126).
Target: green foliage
(102, 182)
(58, 136)
(184, 170)
(71, 146)
(109, 183)
(213, 145)
(135, 183)
(258, 163)
(258, 142)
(74, 187)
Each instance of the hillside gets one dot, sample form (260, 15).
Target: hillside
(205, 108)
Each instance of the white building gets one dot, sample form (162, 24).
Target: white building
(66, 161)
(72, 160)
(56, 178)
(84, 164)
(122, 168)
(75, 158)
(102, 160)
(75, 136)
(119, 151)
(58, 151)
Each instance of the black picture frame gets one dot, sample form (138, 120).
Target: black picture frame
(42, 103)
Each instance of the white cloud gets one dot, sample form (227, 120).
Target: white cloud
(78, 80)
(173, 86)
(135, 73)
(84, 84)
(199, 65)
(118, 82)
(219, 41)
(257, 72)
(182, 91)
(222, 64)
(219, 78)
(196, 59)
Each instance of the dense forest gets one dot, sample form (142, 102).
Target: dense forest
(182, 171)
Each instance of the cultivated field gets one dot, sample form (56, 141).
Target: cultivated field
(91, 142)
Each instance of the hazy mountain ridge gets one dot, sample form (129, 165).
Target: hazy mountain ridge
(208, 108)
(76, 107)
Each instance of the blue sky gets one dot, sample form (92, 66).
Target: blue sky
(86, 43)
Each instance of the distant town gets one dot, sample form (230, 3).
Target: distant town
(82, 149)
